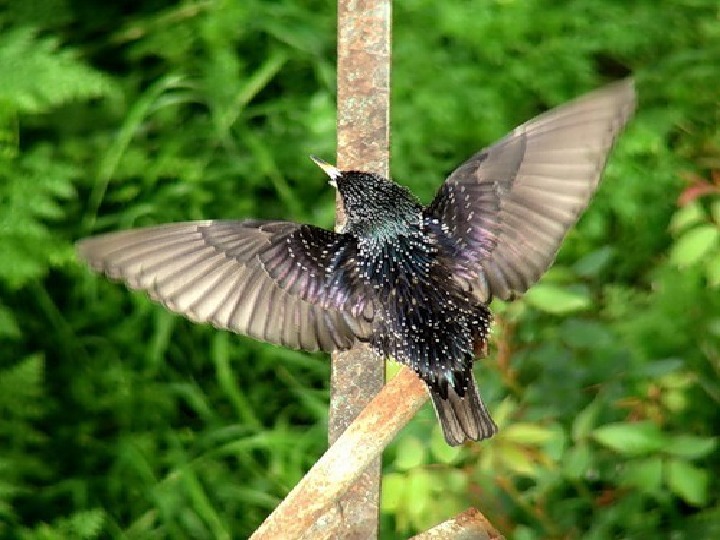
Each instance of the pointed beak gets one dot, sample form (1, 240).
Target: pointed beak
(333, 172)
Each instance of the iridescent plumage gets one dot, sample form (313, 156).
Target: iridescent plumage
(412, 281)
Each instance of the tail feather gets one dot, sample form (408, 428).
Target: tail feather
(462, 418)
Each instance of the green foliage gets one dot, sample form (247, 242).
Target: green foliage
(697, 229)
(83, 525)
(40, 75)
(123, 421)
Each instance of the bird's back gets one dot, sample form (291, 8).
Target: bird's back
(426, 320)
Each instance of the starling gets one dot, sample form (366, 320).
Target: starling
(413, 281)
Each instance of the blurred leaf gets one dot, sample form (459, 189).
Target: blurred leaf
(525, 533)
(713, 269)
(557, 300)
(674, 400)
(577, 461)
(8, 324)
(694, 244)
(690, 214)
(704, 524)
(503, 411)
(690, 446)
(631, 438)
(589, 334)
(715, 211)
(662, 368)
(645, 474)
(411, 453)
(585, 421)
(419, 498)
(530, 434)
(679, 380)
(688, 481)
(456, 480)
(519, 461)
(441, 450)
(595, 262)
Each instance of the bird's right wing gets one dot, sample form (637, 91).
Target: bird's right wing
(506, 210)
(211, 271)
(318, 265)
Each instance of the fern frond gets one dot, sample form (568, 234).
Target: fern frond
(37, 74)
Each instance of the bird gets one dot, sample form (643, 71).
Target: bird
(412, 282)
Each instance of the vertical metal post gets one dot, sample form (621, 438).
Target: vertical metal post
(363, 127)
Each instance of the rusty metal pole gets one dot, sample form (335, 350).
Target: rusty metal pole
(363, 136)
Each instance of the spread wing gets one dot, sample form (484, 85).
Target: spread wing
(318, 265)
(210, 271)
(507, 209)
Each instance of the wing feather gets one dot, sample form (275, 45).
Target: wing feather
(508, 208)
(211, 271)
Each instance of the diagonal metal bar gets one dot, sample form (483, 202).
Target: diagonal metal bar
(363, 133)
(341, 466)
(469, 525)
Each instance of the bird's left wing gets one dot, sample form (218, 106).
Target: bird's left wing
(212, 271)
(506, 210)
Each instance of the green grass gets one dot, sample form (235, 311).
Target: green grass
(123, 421)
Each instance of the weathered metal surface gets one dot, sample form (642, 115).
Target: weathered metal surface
(344, 462)
(470, 525)
(325, 528)
(363, 135)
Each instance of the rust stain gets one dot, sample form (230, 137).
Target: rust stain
(469, 525)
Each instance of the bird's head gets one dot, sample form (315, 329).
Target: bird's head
(372, 202)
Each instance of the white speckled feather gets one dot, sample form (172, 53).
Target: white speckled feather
(210, 271)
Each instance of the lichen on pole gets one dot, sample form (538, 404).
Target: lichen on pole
(363, 137)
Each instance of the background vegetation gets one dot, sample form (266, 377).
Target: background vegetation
(119, 420)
